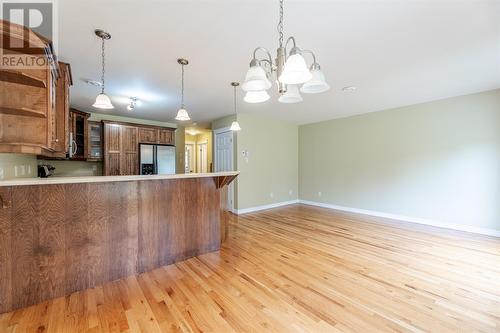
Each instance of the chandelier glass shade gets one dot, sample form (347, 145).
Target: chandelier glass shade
(317, 84)
(291, 96)
(256, 96)
(256, 79)
(182, 115)
(288, 69)
(102, 101)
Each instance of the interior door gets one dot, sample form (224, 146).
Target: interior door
(202, 158)
(224, 159)
(189, 163)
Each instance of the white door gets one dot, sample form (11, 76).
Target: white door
(202, 158)
(224, 157)
(189, 156)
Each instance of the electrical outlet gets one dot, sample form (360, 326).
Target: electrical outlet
(16, 171)
(320, 194)
(290, 193)
(271, 195)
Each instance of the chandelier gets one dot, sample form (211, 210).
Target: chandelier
(290, 69)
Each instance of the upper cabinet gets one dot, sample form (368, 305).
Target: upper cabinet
(78, 135)
(33, 100)
(94, 143)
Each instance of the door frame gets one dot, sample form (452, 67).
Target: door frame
(231, 191)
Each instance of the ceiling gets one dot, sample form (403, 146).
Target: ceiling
(396, 53)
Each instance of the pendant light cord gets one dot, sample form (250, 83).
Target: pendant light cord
(103, 54)
(280, 25)
(235, 100)
(182, 88)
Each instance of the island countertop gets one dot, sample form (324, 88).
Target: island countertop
(103, 179)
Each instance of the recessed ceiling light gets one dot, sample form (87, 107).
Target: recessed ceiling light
(349, 89)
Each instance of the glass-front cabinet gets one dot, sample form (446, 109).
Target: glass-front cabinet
(95, 141)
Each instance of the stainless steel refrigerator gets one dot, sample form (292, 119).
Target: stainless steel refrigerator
(157, 159)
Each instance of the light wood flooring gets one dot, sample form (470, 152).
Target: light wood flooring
(298, 269)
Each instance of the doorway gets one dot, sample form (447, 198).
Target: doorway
(202, 157)
(224, 159)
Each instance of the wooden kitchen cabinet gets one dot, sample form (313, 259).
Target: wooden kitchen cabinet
(121, 145)
(78, 134)
(61, 127)
(148, 135)
(27, 94)
(166, 137)
(34, 101)
(121, 150)
(95, 141)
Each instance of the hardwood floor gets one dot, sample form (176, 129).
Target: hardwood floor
(298, 269)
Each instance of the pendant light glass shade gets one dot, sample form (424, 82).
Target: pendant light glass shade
(292, 95)
(103, 102)
(256, 79)
(235, 127)
(256, 96)
(317, 84)
(295, 71)
(182, 115)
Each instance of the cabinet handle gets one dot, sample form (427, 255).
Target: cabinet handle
(5, 204)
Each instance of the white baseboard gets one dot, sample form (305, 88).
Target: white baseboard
(258, 208)
(482, 231)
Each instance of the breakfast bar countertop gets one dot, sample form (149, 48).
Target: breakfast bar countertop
(102, 179)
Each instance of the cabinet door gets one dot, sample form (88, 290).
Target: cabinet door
(166, 137)
(130, 147)
(95, 141)
(112, 149)
(148, 135)
(61, 127)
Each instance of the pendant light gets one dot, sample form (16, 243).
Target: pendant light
(289, 68)
(102, 101)
(235, 127)
(182, 114)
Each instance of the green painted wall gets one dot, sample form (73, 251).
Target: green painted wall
(438, 161)
(26, 166)
(271, 173)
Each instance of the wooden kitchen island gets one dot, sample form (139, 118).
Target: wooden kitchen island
(61, 235)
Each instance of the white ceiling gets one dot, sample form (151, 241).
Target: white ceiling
(396, 52)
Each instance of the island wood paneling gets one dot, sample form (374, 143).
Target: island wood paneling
(58, 239)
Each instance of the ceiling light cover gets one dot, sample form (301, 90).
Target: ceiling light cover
(235, 127)
(182, 115)
(295, 71)
(256, 96)
(256, 79)
(103, 102)
(317, 84)
(292, 95)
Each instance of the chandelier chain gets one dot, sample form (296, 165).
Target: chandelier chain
(103, 54)
(280, 25)
(182, 88)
